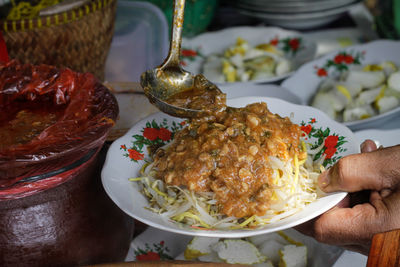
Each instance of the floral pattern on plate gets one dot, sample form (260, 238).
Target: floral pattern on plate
(340, 62)
(332, 143)
(154, 135)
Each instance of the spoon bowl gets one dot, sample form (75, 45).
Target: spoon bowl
(160, 84)
(169, 79)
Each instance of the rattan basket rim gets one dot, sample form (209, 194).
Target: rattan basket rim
(55, 19)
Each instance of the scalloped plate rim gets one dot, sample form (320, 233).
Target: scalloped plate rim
(331, 199)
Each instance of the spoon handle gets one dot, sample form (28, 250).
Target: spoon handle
(173, 57)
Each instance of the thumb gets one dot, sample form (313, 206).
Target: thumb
(374, 170)
(368, 146)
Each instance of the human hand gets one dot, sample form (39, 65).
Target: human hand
(373, 206)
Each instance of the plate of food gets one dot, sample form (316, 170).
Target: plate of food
(273, 249)
(253, 170)
(358, 85)
(246, 54)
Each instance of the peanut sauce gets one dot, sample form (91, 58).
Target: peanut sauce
(229, 156)
(202, 96)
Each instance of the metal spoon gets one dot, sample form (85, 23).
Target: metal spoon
(169, 79)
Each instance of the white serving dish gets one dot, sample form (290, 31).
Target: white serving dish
(118, 168)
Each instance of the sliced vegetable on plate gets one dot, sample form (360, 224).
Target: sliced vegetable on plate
(243, 62)
(275, 249)
(358, 85)
(360, 92)
(246, 54)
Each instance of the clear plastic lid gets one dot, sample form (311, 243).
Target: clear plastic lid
(140, 41)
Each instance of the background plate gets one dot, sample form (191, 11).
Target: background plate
(304, 83)
(216, 42)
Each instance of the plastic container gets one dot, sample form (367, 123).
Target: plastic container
(140, 41)
(198, 14)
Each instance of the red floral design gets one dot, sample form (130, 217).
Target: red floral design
(348, 59)
(151, 133)
(338, 59)
(330, 144)
(164, 134)
(149, 256)
(294, 43)
(331, 141)
(274, 41)
(182, 123)
(322, 72)
(189, 53)
(329, 152)
(306, 129)
(183, 63)
(158, 251)
(135, 155)
(340, 62)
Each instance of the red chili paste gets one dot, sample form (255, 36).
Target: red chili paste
(47, 112)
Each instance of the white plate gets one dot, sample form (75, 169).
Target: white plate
(170, 245)
(119, 168)
(304, 83)
(384, 137)
(216, 42)
(235, 90)
(300, 21)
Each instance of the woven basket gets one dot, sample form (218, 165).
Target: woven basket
(78, 39)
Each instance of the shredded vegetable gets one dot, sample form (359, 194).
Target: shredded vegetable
(294, 186)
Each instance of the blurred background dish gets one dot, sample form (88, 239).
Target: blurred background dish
(306, 81)
(261, 90)
(174, 246)
(197, 51)
(297, 14)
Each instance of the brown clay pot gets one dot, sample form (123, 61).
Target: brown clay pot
(53, 208)
(74, 223)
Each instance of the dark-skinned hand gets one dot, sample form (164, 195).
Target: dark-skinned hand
(372, 179)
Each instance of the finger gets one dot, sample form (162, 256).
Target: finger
(357, 225)
(375, 170)
(368, 146)
(307, 227)
(348, 226)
